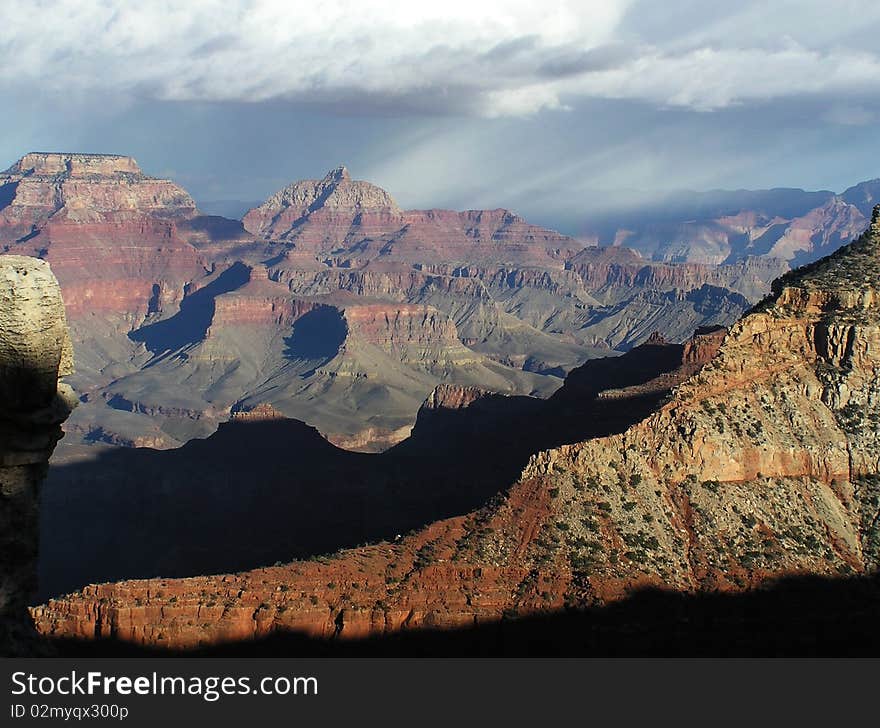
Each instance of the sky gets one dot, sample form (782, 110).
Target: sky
(556, 109)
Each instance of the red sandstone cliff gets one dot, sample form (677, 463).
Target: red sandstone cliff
(763, 463)
(108, 230)
(350, 222)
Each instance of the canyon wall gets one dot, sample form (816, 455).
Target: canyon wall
(171, 333)
(764, 463)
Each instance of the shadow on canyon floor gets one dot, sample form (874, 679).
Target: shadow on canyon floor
(317, 335)
(259, 492)
(802, 616)
(192, 321)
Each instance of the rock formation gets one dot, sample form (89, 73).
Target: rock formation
(35, 352)
(728, 227)
(764, 463)
(159, 295)
(109, 231)
(335, 197)
(331, 498)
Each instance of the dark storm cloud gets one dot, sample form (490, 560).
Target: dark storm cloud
(504, 58)
(572, 61)
(554, 109)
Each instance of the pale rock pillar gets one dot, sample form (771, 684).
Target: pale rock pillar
(35, 352)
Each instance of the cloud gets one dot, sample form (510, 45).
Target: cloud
(850, 115)
(491, 58)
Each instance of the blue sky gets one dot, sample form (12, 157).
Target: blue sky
(553, 109)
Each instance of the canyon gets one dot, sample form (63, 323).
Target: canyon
(328, 302)
(720, 465)
(519, 422)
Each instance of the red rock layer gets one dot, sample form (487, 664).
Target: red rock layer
(348, 222)
(108, 230)
(703, 346)
(260, 302)
(453, 397)
(389, 326)
(120, 268)
(762, 464)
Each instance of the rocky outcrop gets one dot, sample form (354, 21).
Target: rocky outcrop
(334, 198)
(762, 464)
(109, 230)
(418, 335)
(258, 413)
(259, 302)
(452, 397)
(35, 352)
(347, 223)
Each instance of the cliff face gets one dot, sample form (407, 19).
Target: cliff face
(109, 230)
(86, 188)
(763, 463)
(35, 352)
(413, 334)
(335, 198)
(509, 305)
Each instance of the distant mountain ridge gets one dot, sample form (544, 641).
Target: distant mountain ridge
(329, 303)
(722, 226)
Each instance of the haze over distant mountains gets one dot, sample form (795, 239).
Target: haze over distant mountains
(331, 304)
(723, 226)
(703, 226)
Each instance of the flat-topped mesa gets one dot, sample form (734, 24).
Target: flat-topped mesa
(109, 231)
(413, 333)
(336, 192)
(84, 188)
(52, 164)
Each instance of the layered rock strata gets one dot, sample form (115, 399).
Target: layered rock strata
(762, 464)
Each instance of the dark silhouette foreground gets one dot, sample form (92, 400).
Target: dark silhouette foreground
(256, 493)
(802, 616)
